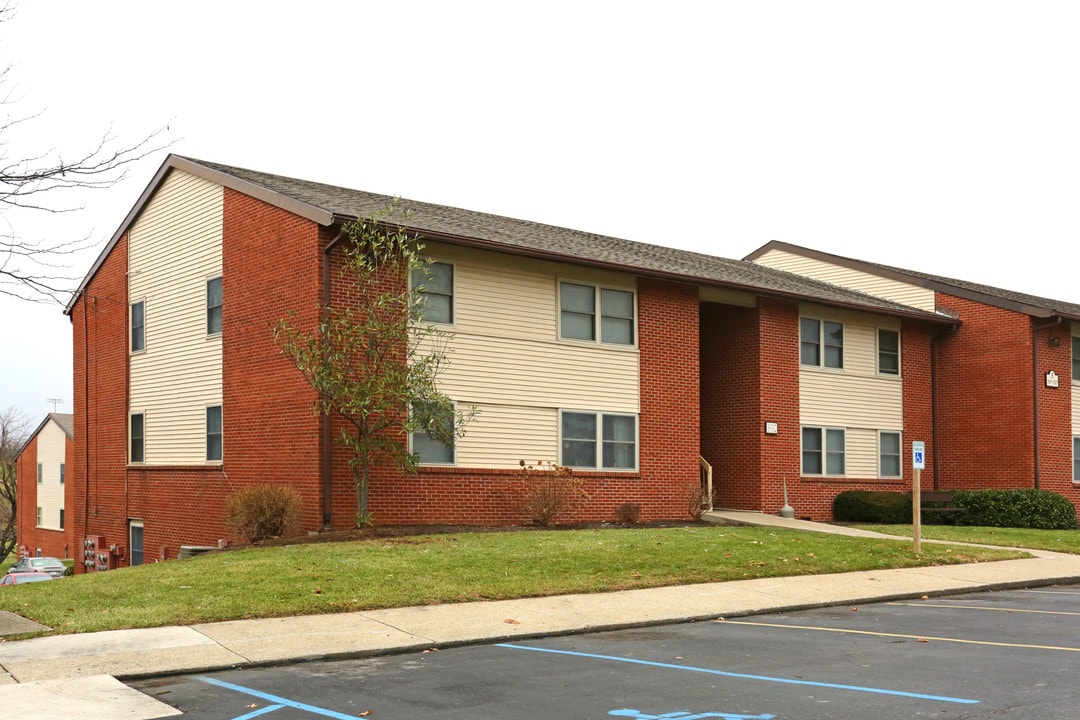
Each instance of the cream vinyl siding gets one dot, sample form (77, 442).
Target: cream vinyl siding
(174, 248)
(868, 283)
(1076, 410)
(506, 358)
(856, 397)
(861, 457)
(50, 493)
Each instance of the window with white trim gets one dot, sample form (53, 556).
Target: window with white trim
(429, 445)
(1076, 459)
(588, 312)
(40, 473)
(821, 343)
(435, 282)
(137, 436)
(39, 514)
(214, 302)
(62, 473)
(213, 433)
(138, 326)
(888, 352)
(889, 455)
(1076, 359)
(596, 440)
(823, 451)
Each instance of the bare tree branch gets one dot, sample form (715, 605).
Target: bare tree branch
(14, 432)
(46, 182)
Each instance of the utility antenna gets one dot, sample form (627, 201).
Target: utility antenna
(55, 402)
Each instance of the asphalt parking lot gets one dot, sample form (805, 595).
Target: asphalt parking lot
(1011, 654)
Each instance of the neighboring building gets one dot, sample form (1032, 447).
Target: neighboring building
(631, 362)
(42, 484)
(1006, 382)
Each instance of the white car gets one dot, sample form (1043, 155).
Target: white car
(49, 565)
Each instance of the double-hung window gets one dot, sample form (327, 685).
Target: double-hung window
(213, 306)
(40, 473)
(1076, 359)
(62, 470)
(596, 440)
(1076, 459)
(821, 343)
(429, 445)
(213, 433)
(889, 455)
(436, 284)
(588, 312)
(137, 436)
(822, 451)
(888, 352)
(138, 326)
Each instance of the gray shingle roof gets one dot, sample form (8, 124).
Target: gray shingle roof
(999, 297)
(523, 237)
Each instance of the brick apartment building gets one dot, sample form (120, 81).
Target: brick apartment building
(42, 484)
(634, 363)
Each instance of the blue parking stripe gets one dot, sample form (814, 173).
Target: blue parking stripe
(284, 702)
(743, 676)
(260, 711)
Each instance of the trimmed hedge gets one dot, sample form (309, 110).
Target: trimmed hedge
(872, 506)
(1019, 508)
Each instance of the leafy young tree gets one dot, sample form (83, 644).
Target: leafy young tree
(43, 181)
(375, 361)
(14, 432)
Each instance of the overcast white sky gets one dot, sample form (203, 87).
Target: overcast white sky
(941, 136)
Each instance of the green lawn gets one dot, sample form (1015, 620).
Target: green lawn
(1064, 541)
(430, 569)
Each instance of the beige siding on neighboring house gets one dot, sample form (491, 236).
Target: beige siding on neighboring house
(895, 290)
(51, 448)
(174, 248)
(507, 360)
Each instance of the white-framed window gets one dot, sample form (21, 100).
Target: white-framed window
(39, 514)
(137, 436)
(62, 473)
(1076, 359)
(821, 343)
(213, 433)
(136, 547)
(138, 326)
(214, 303)
(431, 450)
(889, 462)
(40, 473)
(823, 451)
(591, 312)
(888, 351)
(598, 440)
(1076, 460)
(436, 284)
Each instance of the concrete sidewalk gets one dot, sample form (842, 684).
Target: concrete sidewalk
(40, 672)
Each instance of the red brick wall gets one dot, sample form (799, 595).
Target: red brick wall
(984, 387)
(96, 479)
(730, 404)
(778, 375)
(1055, 411)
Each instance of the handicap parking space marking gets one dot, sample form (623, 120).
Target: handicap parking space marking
(745, 676)
(878, 633)
(279, 702)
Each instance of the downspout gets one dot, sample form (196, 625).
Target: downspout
(326, 455)
(1035, 394)
(86, 420)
